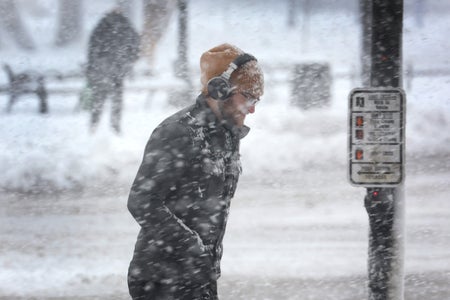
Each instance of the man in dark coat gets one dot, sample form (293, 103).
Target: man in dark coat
(113, 48)
(182, 192)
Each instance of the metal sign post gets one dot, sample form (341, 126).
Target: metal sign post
(377, 144)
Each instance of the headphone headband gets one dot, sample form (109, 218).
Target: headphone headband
(236, 63)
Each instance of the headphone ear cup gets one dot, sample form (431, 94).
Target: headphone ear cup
(219, 88)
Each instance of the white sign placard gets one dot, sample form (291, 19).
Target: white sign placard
(376, 136)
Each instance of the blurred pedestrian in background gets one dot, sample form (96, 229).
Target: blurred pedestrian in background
(113, 48)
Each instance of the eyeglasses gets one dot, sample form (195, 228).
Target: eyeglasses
(250, 99)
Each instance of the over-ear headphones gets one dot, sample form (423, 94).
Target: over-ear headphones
(219, 87)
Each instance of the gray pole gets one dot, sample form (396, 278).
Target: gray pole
(182, 96)
(365, 7)
(181, 68)
(385, 206)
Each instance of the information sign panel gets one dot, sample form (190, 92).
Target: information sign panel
(376, 136)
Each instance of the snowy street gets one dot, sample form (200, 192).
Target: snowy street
(310, 244)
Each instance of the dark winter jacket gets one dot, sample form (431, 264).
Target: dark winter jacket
(113, 48)
(181, 196)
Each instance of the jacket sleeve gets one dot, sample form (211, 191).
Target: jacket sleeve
(165, 160)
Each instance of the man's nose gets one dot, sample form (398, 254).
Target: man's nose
(251, 109)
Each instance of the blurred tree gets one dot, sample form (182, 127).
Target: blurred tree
(291, 13)
(306, 8)
(419, 12)
(69, 23)
(12, 23)
(38, 9)
(157, 15)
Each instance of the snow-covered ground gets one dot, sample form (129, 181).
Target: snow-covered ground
(297, 229)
